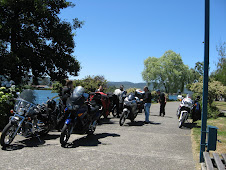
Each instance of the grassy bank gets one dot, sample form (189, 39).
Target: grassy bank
(196, 132)
(221, 105)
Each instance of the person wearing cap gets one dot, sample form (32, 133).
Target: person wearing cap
(147, 104)
(162, 102)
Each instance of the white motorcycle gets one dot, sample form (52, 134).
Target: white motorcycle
(184, 110)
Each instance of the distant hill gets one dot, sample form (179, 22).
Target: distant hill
(128, 85)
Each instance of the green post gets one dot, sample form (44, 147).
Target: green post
(205, 81)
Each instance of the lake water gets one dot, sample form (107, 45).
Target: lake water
(44, 94)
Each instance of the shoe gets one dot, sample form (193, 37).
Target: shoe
(146, 122)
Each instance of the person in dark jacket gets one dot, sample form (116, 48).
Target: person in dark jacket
(66, 91)
(147, 104)
(162, 102)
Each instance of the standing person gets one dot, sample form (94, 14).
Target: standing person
(120, 93)
(162, 102)
(100, 89)
(147, 104)
(66, 91)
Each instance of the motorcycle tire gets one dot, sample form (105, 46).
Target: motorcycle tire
(92, 130)
(114, 112)
(180, 124)
(65, 135)
(122, 119)
(5, 132)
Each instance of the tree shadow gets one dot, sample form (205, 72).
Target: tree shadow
(90, 140)
(30, 142)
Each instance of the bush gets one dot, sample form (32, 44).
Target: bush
(6, 104)
(154, 96)
(131, 90)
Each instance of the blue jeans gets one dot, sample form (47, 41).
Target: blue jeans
(147, 110)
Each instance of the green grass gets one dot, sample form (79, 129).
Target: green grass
(221, 105)
(196, 132)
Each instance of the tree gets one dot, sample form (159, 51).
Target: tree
(168, 71)
(220, 73)
(215, 89)
(34, 39)
(91, 83)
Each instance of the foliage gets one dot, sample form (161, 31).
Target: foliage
(168, 71)
(110, 89)
(220, 73)
(57, 86)
(131, 90)
(91, 83)
(6, 103)
(215, 89)
(154, 96)
(34, 40)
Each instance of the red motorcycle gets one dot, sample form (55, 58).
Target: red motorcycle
(101, 99)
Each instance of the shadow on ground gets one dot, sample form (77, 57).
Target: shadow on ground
(189, 125)
(30, 142)
(164, 116)
(90, 140)
(105, 121)
(141, 123)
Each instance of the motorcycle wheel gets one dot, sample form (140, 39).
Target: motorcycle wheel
(180, 124)
(114, 112)
(7, 135)
(65, 135)
(92, 128)
(122, 119)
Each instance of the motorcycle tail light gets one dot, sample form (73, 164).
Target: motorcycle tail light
(80, 114)
(11, 111)
(29, 118)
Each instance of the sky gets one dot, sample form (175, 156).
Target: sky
(118, 35)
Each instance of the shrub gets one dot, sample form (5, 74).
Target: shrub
(6, 103)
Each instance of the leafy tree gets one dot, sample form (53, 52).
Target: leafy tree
(131, 90)
(34, 39)
(110, 89)
(168, 71)
(220, 73)
(91, 83)
(215, 89)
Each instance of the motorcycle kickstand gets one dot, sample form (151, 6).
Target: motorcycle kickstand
(38, 138)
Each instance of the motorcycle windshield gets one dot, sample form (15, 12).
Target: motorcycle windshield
(30, 96)
(78, 92)
(25, 100)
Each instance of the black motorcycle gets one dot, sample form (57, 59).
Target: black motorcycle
(29, 118)
(129, 109)
(82, 115)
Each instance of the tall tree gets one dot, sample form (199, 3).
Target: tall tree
(220, 73)
(168, 71)
(34, 39)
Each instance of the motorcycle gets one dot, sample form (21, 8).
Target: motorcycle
(82, 115)
(139, 94)
(113, 104)
(29, 119)
(103, 100)
(184, 110)
(129, 109)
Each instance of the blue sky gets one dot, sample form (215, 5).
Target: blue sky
(118, 35)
